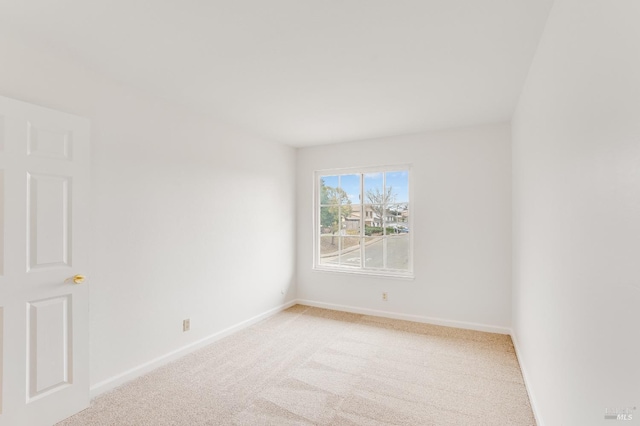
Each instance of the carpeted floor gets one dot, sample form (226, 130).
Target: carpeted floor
(310, 366)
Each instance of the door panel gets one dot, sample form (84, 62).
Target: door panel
(48, 346)
(49, 222)
(48, 142)
(44, 193)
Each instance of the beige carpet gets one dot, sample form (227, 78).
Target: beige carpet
(310, 366)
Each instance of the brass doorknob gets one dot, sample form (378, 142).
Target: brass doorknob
(78, 279)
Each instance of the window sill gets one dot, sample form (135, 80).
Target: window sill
(404, 276)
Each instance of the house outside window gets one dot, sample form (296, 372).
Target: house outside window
(363, 221)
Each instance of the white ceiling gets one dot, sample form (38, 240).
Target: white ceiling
(303, 72)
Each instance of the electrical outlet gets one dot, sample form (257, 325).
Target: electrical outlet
(385, 296)
(186, 325)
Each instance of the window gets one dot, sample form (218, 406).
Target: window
(363, 221)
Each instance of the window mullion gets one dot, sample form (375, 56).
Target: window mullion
(318, 221)
(339, 224)
(362, 219)
(384, 227)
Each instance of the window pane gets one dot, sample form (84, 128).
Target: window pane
(329, 220)
(403, 216)
(397, 186)
(398, 252)
(379, 199)
(351, 224)
(373, 188)
(373, 217)
(350, 185)
(396, 219)
(328, 185)
(373, 252)
(350, 255)
(329, 250)
(353, 219)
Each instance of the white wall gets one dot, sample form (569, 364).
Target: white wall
(576, 161)
(462, 227)
(191, 217)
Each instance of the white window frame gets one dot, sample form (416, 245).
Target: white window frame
(361, 270)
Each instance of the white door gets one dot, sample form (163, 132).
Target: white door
(44, 328)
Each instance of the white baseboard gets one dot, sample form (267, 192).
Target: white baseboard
(115, 381)
(527, 382)
(407, 317)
